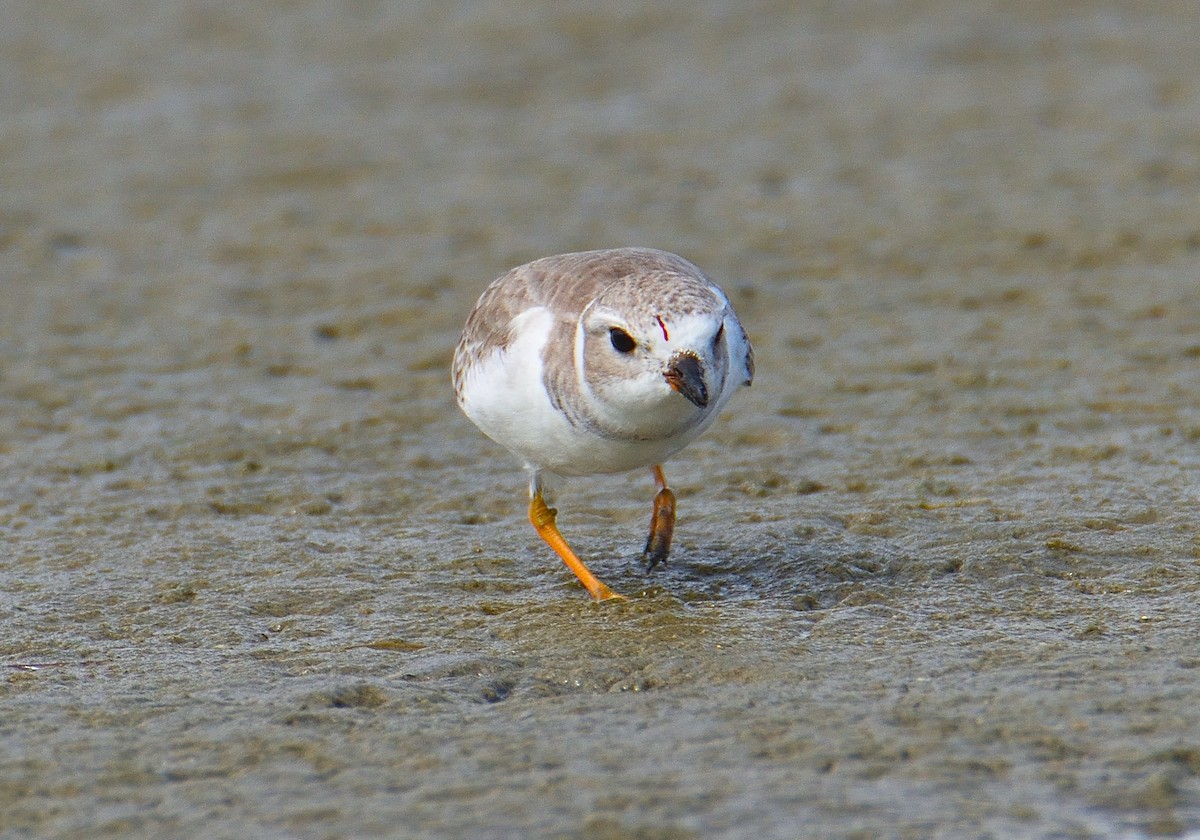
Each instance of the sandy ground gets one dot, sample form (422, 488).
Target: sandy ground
(936, 573)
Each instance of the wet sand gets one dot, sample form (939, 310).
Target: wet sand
(936, 573)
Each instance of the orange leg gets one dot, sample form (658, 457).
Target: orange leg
(542, 518)
(662, 522)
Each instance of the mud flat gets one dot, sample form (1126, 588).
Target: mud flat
(936, 572)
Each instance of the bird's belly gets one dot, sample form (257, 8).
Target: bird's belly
(542, 436)
(588, 454)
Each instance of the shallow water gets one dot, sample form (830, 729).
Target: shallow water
(935, 573)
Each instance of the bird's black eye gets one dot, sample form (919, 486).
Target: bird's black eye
(622, 341)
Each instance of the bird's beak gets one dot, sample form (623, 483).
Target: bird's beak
(685, 374)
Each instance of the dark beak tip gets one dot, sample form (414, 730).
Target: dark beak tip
(700, 400)
(686, 376)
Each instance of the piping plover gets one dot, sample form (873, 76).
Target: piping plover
(600, 362)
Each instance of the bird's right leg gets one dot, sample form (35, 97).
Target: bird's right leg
(543, 518)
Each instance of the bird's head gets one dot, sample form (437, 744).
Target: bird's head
(654, 352)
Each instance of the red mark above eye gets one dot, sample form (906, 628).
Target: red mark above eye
(663, 326)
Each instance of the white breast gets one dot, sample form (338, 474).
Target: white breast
(504, 395)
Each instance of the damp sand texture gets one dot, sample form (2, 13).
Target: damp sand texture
(935, 573)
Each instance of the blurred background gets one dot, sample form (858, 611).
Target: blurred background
(936, 571)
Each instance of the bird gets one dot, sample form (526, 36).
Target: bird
(597, 362)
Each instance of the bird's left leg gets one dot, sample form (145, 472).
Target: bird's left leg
(662, 522)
